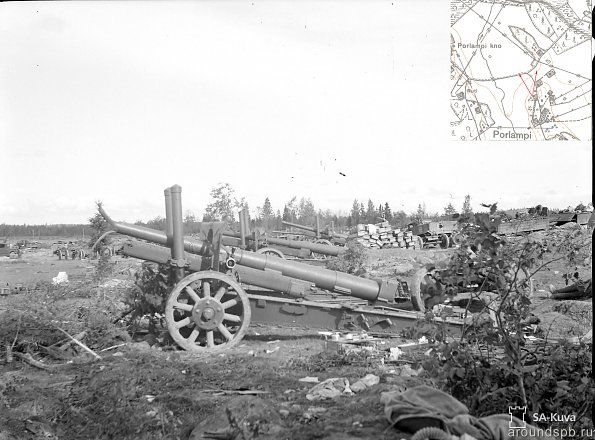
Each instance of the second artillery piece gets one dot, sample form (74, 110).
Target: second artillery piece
(322, 236)
(209, 309)
(265, 244)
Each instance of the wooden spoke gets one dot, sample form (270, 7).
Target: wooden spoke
(193, 336)
(227, 304)
(183, 323)
(206, 289)
(220, 292)
(232, 318)
(210, 339)
(182, 306)
(190, 291)
(225, 332)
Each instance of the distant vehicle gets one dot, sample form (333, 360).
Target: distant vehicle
(28, 244)
(8, 250)
(441, 233)
(445, 233)
(533, 224)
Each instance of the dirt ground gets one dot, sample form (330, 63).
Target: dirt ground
(144, 389)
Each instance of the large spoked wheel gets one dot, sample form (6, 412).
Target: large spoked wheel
(270, 251)
(207, 311)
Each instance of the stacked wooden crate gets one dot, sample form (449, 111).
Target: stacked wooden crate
(382, 235)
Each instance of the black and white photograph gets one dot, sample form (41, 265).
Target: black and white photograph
(258, 219)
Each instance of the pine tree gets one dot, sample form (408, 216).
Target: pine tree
(388, 215)
(421, 213)
(371, 212)
(306, 212)
(467, 210)
(290, 210)
(266, 213)
(354, 216)
(449, 209)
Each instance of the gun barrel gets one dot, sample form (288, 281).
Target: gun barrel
(339, 282)
(295, 244)
(296, 225)
(317, 232)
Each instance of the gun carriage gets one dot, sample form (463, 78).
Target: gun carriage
(209, 309)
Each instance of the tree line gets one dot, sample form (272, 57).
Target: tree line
(224, 205)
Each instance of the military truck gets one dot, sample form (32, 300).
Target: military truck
(441, 233)
(8, 250)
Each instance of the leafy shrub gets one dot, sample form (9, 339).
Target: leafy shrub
(491, 368)
(148, 297)
(352, 261)
(555, 377)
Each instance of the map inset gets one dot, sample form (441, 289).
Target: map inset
(521, 70)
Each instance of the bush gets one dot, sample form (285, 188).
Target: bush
(556, 379)
(491, 368)
(148, 297)
(352, 261)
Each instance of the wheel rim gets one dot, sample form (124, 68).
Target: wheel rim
(270, 251)
(207, 311)
(443, 241)
(415, 290)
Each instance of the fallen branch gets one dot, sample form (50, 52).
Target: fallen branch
(64, 343)
(17, 333)
(239, 392)
(29, 359)
(56, 354)
(80, 344)
(8, 354)
(112, 347)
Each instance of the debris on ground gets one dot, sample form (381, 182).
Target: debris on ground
(61, 278)
(365, 382)
(350, 342)
(329, 389)
(309, 379)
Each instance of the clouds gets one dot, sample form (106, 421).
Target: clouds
(118, 100)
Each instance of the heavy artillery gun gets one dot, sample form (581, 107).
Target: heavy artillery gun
(265, 244)
(322, 236)
(209, 309)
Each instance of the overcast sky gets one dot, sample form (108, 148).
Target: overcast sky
(116, 101)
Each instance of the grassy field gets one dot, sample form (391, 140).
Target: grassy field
(144, 387)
